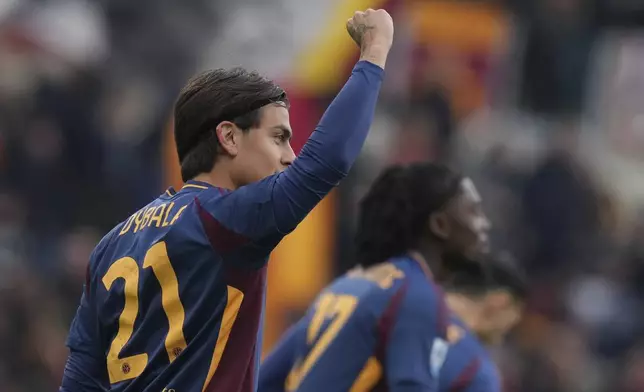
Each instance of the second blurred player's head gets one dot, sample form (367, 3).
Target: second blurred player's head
(234, 121)
(488, 297)
(425, 207)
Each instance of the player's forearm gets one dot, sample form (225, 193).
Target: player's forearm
(336, 142)
(331, 150)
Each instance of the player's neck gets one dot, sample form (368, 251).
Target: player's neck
(431, 257)
(217, 178)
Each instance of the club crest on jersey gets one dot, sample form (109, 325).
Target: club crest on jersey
(438, 355)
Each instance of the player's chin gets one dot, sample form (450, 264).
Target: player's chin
(258, 176)
(275, 170)
(478, 252)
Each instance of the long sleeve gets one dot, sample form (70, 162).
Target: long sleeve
(263, 212)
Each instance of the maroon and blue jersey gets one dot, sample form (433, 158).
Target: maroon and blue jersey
(379, 329)
(468, 367)
(382, 333)
(174, 295)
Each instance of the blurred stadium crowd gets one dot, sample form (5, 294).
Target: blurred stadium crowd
(542, 102)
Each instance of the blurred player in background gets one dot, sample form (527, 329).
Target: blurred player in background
(384, 324)
(487, 302)
(174, 295)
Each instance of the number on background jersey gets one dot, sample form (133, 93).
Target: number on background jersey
(329, 306)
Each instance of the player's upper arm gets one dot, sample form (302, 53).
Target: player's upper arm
(278, 364)
(259, 214)
(244, 217)
(416, 350)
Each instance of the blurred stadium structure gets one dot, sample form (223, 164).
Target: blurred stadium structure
(541, 101)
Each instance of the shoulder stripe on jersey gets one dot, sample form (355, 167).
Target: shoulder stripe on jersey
(387, 320)
(466, 377)
(385, 326)
(221, 238)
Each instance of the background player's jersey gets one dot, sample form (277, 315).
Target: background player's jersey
(468, 367)
(345, 341)
(174, 295)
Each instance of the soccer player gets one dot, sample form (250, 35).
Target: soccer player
(174, 295)
(486, 301)
(384, 324)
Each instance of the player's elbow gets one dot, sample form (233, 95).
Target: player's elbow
(329, 166)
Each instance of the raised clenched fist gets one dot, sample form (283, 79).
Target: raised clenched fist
(371, 28)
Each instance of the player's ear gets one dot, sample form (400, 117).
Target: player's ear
(228, 135)
(439, 225)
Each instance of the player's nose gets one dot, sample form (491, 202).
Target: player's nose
(288, 156)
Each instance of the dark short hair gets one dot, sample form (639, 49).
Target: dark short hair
(234, 95)
(477, 278)
(393, 215)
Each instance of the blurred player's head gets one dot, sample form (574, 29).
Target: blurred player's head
(234, 121)
(420, 207)
(488, 297)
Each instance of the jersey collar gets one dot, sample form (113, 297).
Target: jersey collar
(194, 184)
(201, 185)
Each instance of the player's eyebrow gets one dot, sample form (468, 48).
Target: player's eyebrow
(287, 131)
